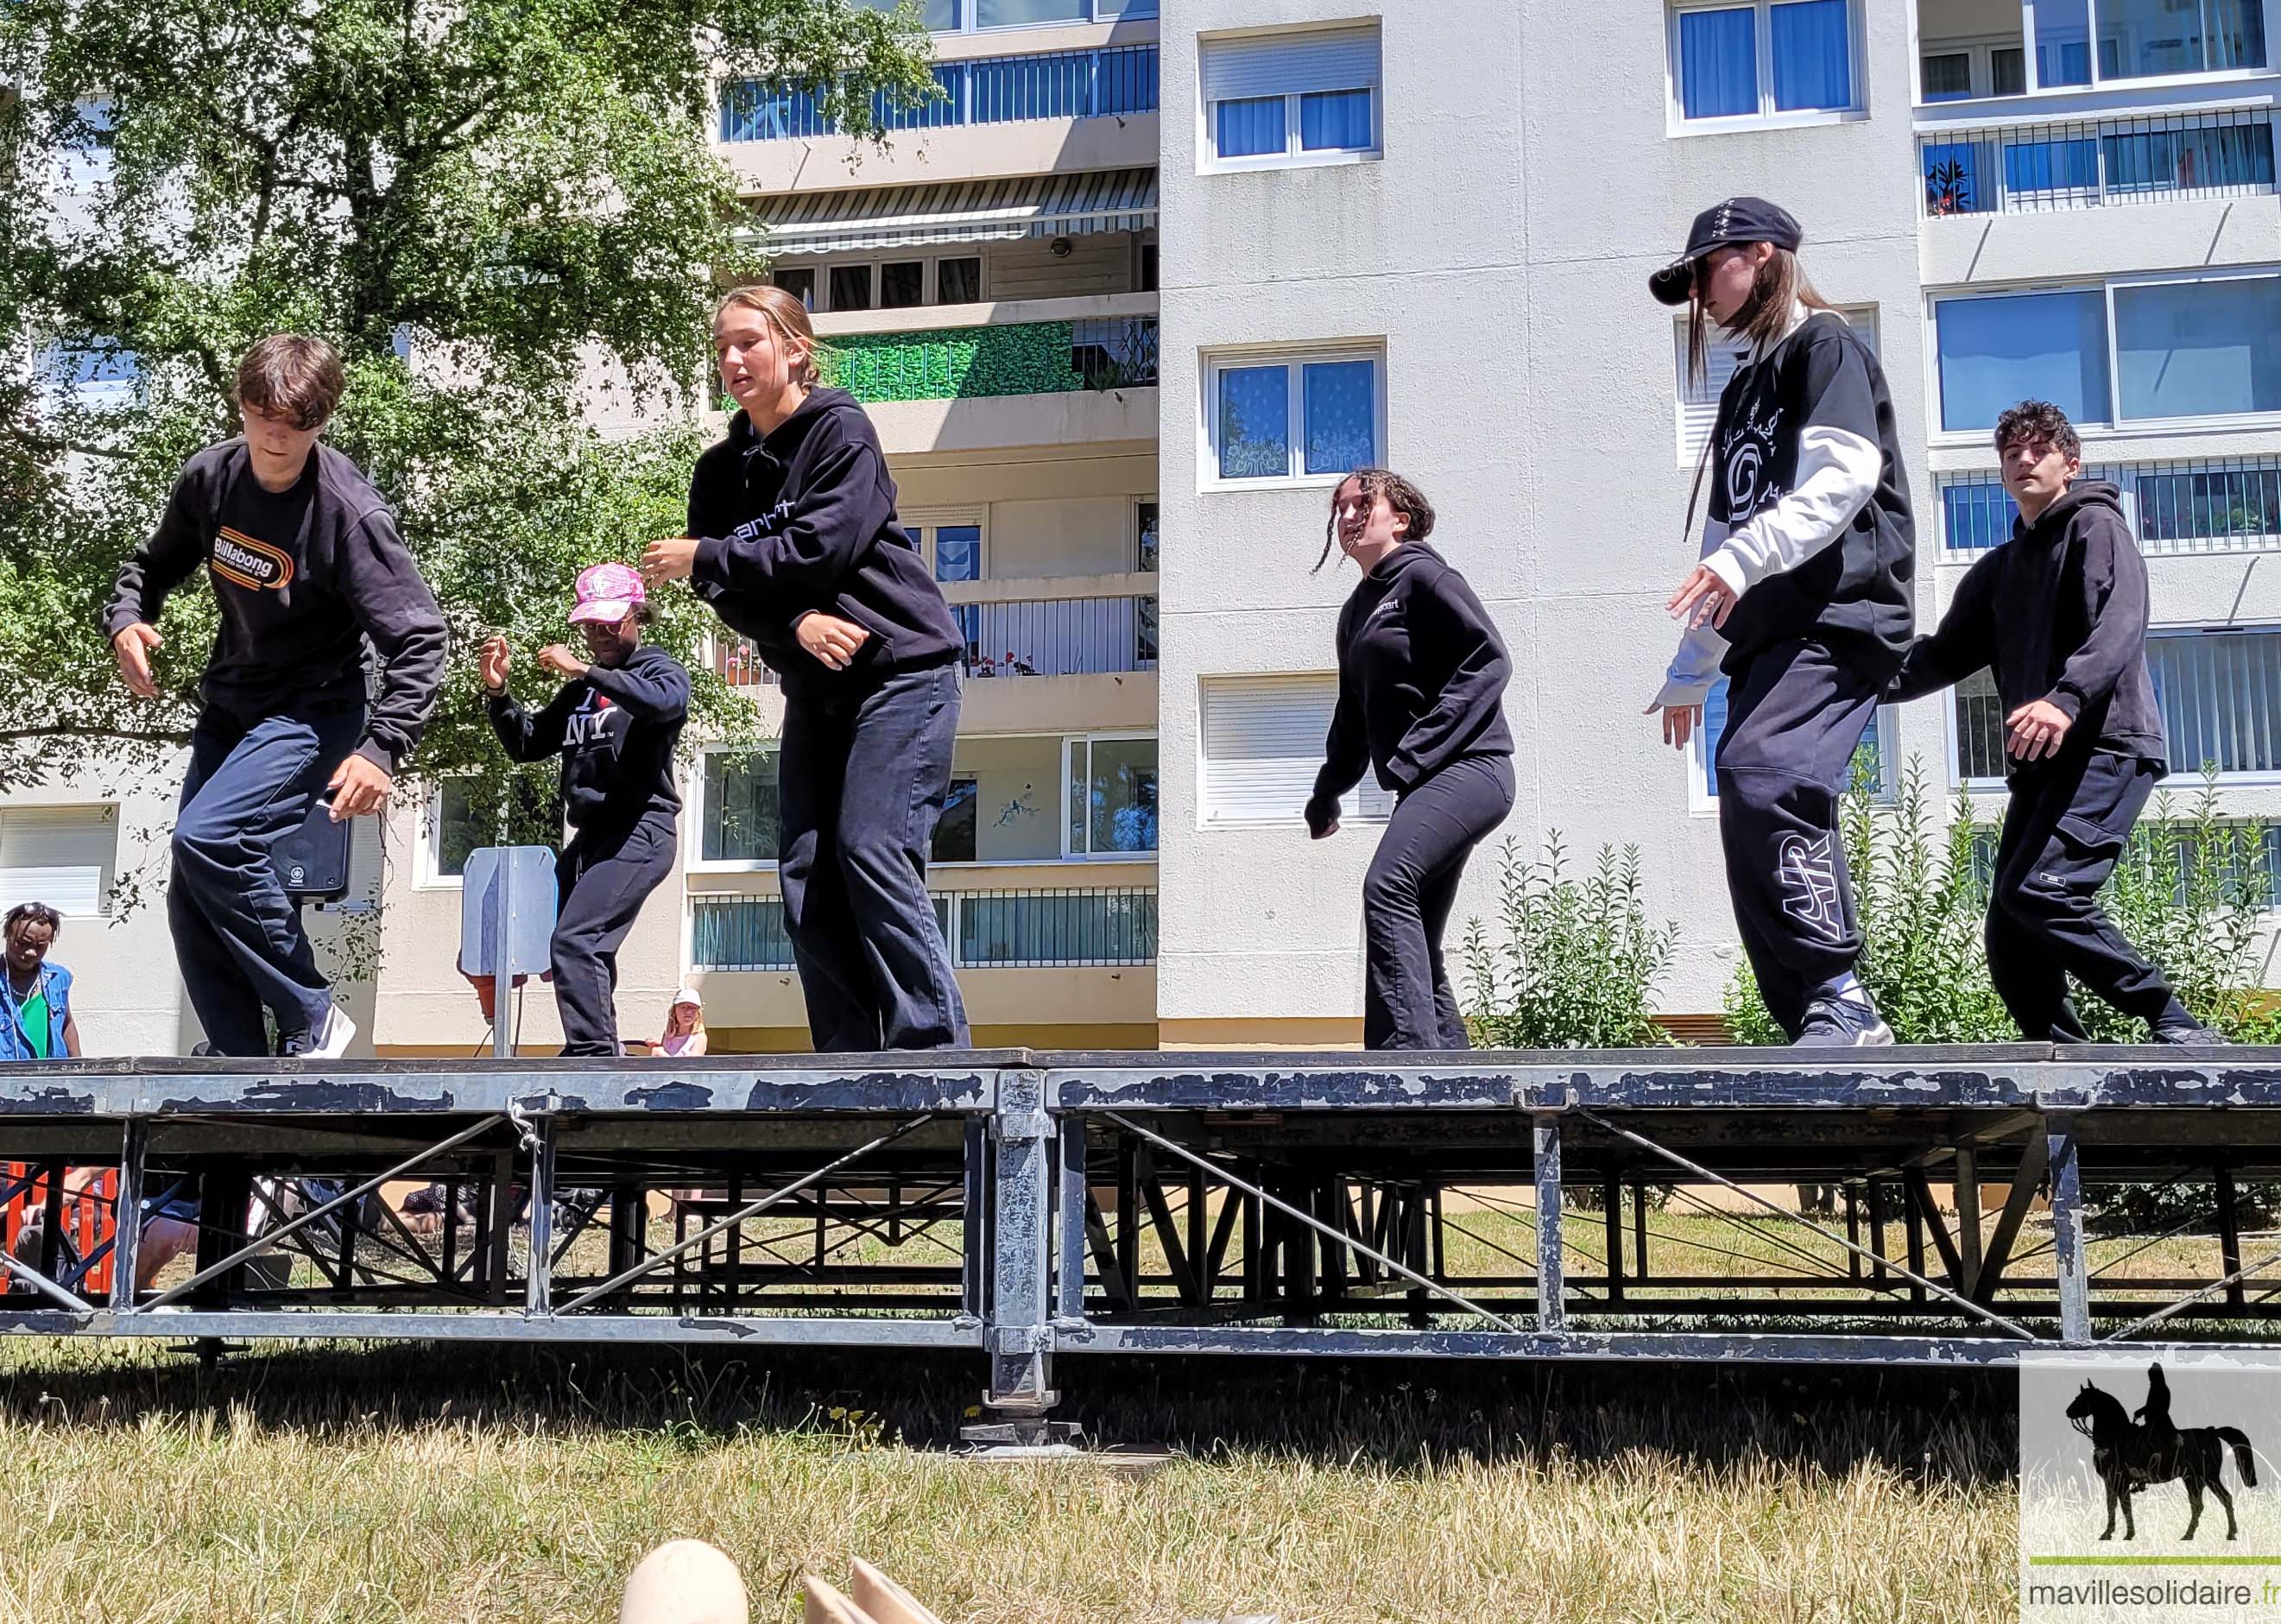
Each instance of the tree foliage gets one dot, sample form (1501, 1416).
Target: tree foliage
(486, 203)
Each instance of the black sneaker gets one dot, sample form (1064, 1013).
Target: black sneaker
(1844, 1022)
(2189, 1034)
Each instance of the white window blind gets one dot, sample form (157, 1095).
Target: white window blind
(1264, 739)
(58, 855)
(1698, 408)
(1290, 63)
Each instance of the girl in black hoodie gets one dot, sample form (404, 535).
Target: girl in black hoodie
(1422, 675)
(794, 541)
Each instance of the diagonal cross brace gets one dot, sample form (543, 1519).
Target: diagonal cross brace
(1673, 1156)
(45, 1286)
(656, 1260)
(1312, 1222)
(2191, 1298)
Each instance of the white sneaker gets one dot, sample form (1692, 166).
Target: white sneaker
(330, 1040)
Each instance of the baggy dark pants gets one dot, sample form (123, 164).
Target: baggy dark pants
(1795, 716)
(2066, 824)
(863, 775)
(601, 885)
(238, 938)
(1407, 896)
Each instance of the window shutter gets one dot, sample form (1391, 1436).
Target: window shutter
(1264, 740)
(1698, 408)
(1291, 62)
(60, 857)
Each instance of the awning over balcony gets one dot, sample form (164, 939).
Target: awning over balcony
(968, 212)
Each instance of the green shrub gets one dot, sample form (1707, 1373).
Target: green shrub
(1572, 963)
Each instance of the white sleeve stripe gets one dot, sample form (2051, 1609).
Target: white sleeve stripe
(1837, 474)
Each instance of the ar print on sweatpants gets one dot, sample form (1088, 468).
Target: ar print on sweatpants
(1746, 450)
(1809, 883)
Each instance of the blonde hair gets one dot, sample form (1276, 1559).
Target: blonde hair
(788, 316)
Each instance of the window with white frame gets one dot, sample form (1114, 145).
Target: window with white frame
(2145, 349)
(978, 16)
(1876, 760)
(1296, 96)
(1110, 799)
(1294, 416)
(897, 282)
(1698, 404)
(2219, 689)
(952, 542)
(1764, 60)
(59, 856)
(1264, 738)
(2013, 48)
(738, 817)
(1144, 537)
(465, 814)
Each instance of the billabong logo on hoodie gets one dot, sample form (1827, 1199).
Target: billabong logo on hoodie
(238, 557)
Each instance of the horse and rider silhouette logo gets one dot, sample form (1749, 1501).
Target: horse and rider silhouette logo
(2143, 1448)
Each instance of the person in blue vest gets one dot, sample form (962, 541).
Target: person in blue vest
(36, 1014)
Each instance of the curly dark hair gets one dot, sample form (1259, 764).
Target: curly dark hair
(2038, 423)
(1404, 497)
(32, 913)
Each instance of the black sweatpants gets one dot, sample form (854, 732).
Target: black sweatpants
(1407, 895)
(601, 885)
(863, 775)
(2068, 824)
(1795, 716)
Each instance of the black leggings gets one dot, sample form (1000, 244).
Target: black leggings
(1407, 896)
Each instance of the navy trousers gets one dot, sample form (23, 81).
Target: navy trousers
(237, 937)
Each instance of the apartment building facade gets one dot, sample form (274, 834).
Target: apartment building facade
(1127, 299)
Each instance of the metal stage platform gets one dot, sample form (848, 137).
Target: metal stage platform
(1028, 1205)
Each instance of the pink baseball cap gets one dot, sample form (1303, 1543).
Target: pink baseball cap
(607, 592)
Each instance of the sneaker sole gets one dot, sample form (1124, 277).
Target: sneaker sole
(340, 1031)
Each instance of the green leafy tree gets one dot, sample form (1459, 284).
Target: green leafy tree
(1571, 962)
(485, 204)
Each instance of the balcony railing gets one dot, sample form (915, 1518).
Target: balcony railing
(2035, 168)
(1027, 637)
(1020, 357)
(1065, 84)
(987, 930)
(2174, 508)
(1057, 637)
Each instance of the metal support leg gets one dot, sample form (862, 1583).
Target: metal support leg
(1069, 1226)
(2229, 1235)
(127, 1228)
(973, 1293)
(538, 1279)
(1612, 1207)
(1019, 1333)
(2067, 1232)
(1967, 1216)
(1551, 1314)
(499, 1225)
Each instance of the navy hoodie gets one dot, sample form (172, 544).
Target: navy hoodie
(615, 729)
(803, 520)
(2060, 612)
(1422, 674)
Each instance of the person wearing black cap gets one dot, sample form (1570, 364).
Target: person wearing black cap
(1422, 675)
(1801, 597)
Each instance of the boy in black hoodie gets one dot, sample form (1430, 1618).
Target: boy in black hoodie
(794, 541)
(614, 724)
(2060, 612)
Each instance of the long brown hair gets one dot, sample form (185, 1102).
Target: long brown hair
(1404, 497)
(785, 313)
(1780, 282)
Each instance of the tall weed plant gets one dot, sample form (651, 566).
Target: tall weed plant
(1571, 962)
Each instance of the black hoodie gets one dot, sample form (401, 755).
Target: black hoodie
(1421, 679)
(805, 520)
(2060, 612)
(615, 729)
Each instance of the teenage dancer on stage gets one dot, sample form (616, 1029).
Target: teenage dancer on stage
(306, 569)
(1422, 674)
(615, 723)
(794, 542)
(1802, 597)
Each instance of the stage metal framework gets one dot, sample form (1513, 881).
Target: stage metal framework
(1025, 1205)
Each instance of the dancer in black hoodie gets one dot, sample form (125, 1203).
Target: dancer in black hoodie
(615, 723)
(2060, 612)
(1422, 675)
(1802, 597)
(793, 541)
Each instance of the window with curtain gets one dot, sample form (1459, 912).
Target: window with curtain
(1023, 13)
(1294, 417)
(1946, 75)
(942, 16)
(1998, 350)
(741, 822)
(2199, 349)
(1112, 797)
(2063, 42)
(1768, 58)
(1296, 93)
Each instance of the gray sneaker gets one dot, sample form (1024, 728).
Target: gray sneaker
(2189, 1034)
(1844, 1022)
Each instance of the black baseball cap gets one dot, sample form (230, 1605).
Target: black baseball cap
(1738, 219)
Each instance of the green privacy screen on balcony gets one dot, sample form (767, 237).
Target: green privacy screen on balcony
(970, 363)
